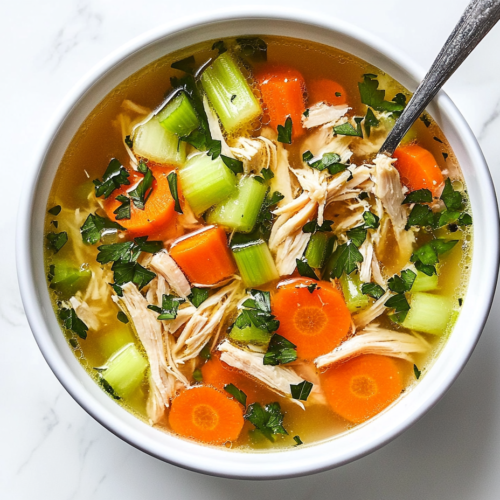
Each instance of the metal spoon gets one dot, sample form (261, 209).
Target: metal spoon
(475, 23)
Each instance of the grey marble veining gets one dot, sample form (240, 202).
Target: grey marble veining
(50, 448)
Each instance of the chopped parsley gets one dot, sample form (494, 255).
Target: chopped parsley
(123, 212)
(280, 351)
(254, 48)
(285, 132)
(172, 184)
(205, 353)
(313, 226)
(239, 395)
(268, 419)
(187, 65)
(128, 141)
(220, 46)
(416, 371)
(451, 198)
(124, 272)
(427, 256)
(257, 312)
(107, 387)
(437, 139)
(72, 322)
(348, 129)
(197, 375)
(357, 235)
(57, 240)
(305, 269)
(55, 210)
(328, 160)
(236, 166)
(426, 120)
(114, 177)
(55, 223)
(312, 287)
(93, 226)
(142, 192)
(363, 196)
(169, 307)
(301, 391)
(372, 290)
(297, 438)
(306, 113)
(464, 220)
(198, 296)
(121, 316)
(418, 196)
(370, 121)
(372, 221)
(345, 259)
(402, 284)
(398, 303)
(374, 97)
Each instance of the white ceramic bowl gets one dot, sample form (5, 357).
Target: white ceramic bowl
(221, 462)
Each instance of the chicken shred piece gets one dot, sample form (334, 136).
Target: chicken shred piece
(215, 129)
(164, 264)
(366, 250)
(157, 289)
(324, 114)
(276, 378)
(367, 315)
(375, 340)
(85, 313)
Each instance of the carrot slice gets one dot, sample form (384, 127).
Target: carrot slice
(326, 90)
(283, 90)
(418, 169)
(204, 257)
(362, 387)
(315, 322)
(207, 415)
(158, 212)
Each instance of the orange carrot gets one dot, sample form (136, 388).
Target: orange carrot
(204, 257)
(158, 215)
(283, 90)
(207, 415)
(418, 169)
(362, 387)
(326, 90)
(315, 322)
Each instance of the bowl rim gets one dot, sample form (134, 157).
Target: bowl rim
(214, 463)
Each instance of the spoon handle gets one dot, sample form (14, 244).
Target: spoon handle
(477, 20)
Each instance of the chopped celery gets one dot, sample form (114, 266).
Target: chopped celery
(68, 279)
(424, 283)
(206, 182)
(115, 340)
(255, 263)
(241, 209)
(351, 288)
(428, 313)
(250, 335)
(152, 141)
(316, 250)
(389, 121)
(178, 116)
(125, 370)
(229, 93)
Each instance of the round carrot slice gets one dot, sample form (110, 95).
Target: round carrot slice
(207, 415)
(158, 212)
(326, 90)
(418, 169)
(316, 322)
(362, 387)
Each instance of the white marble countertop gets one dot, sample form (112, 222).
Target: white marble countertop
(50, 448)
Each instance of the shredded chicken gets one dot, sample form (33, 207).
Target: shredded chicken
(277, 378)
(367, 315)
(375, 340)
(215, 129)
(366, 250)
(323, 141)
(157, 289)
(255, 153)
(84, 312)
(323, 114)
(164, 264)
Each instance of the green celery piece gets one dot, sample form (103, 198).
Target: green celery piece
(113, 341)
(316, 250)
(155, 143)
(351, 288)
(68, 279)
(241, 209)
(206, 182)
(178, 116)
(250, 335)
(424, 283)
(125, 370)
(428, 313)
(221, 81)
(410, 136)
(255, 263)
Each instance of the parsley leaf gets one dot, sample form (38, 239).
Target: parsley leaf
(372, 221)
(426, 257)
(348, 129)
(301, 391)
(198, 375)
(239, 395)
(255, 49)
(416, 371)
(220, 46)
(127, 251)
(370, 121)
(372, 96)
(451, 198)
(426, 120)
(236, 166)
(57, 240)
(464, 220)
(372, 290)
(205, 353)
(328, 160)
(72, 322)
(402, 284)
(312, 226)
(172, 184)
(198, 296)
(305, 269)
(114, 177)
(420, 215)
(257, 312)
(312, 287)
(269, 420)
(398, 303)
(121, 316)
(169, 307)
(418, 196)
(345, 259)
(306, 113)
(128, 141)
(107, 387)
(93, 226)
(285, 132)
(143, 191)
(186, 65)
(297, 440)
(125, 272)
(55, 210)
(357, 235)
(363, 196)
(214, 148)
(267, 173)
(280, 351)
(123, 212)
(196, 138)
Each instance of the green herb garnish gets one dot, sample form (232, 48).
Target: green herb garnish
(198, 296)
(57, 240)
(280, 351)
(370, 121)
(301, 391)
(236, 166)
(357, 235)
(345, 258)
(348, 129)
(123, 212)
(72, 322)
(93, 226)
(239, 395)
(269, 420)
(197, 375)
(372, 290)
(418, 196)
(297, 438)
(254, 49)
(402, 284)
(142, 192)
(187, 65)
(169, 307)
(305, 269)
(172, 184)
(372, 96)
(121, 316)
(312, 226)
(372, 221)
(426, 257)
(257, 312)
(55, 210)
(285, 132)
(416, 371)
(220, 46)
(426, 120)
(114, 177)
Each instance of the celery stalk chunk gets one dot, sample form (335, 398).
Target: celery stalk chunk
(351, 288)
(428, 313)
(206, 182)
(424, 283)
(316, 250)
(178, 116)
(125, 370)
(229, 93)
(68, 279)
(241, 209)
(255, 263)
(250, 335)
(155, 143)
